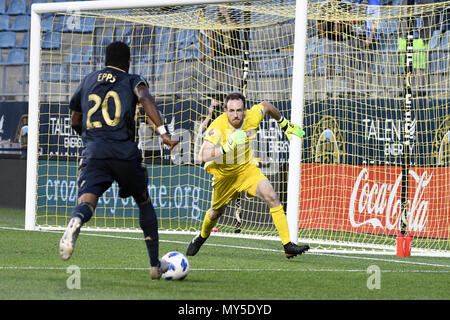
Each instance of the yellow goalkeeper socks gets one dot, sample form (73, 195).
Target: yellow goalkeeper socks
(207, 226)
(280, 221)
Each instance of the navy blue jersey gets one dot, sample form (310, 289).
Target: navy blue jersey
(107, 101)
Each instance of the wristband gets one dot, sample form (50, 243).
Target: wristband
(161, 130)
(281, 119)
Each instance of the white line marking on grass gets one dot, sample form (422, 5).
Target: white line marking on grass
(20, 268)
(311, 251)
(384, 260)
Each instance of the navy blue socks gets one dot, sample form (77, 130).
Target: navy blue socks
(83, 211)
(149, 225)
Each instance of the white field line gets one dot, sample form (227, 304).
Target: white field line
(311, 251)
(20, 268)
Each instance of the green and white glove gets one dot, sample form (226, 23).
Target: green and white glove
(290, 128)
(237, 138)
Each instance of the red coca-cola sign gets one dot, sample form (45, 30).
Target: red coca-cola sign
(368, 199)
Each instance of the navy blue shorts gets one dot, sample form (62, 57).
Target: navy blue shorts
(96, 176)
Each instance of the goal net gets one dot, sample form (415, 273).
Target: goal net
(194, 53)
(376, 156)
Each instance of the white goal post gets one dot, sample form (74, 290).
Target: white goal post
(341, 185)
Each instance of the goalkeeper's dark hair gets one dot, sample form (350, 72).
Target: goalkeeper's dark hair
(234, 96)
(118, 55)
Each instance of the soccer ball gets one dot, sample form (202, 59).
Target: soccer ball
(178, 266)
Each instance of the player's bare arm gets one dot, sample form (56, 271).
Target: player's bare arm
(149, 104)
(76, 122)
(271, 110)
(285, 125)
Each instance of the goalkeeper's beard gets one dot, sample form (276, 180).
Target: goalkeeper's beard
(236, 122)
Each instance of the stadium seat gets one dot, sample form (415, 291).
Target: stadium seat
(445, 40)
(79, 55)
(316, 59)
(124, 34)
(321, 58)
(163, 43)
(51, 40)
(433, 56)
(64, 24)
(53, 72)
(17, 7)
(444, 55)
(21, 23)
(71, 24)
(2, 6)
(16, 56)
(75, 72)
(74, 56)
(104, 37)
(87, 25)
(4, 22)
(78, 72)
(434, 41)
(273, 67)
(186, 41)
(311, 50)
(7, 39)
(47, 23)
(86, 54)
(25, 43)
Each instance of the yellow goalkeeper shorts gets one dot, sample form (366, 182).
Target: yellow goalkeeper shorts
(227, 188)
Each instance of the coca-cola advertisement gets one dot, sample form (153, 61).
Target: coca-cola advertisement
(368, 199)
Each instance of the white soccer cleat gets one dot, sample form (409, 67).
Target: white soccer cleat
(156, 272)
(70, 236)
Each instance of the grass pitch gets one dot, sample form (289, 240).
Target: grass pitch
(115, 266)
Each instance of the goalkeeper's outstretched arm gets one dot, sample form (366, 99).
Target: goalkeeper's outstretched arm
(288, 128)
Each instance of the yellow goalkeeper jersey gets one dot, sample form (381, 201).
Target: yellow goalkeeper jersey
(220, 130)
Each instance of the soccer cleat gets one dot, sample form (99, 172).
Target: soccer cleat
(291, 249)
(195, 245)
(70, 236)
(156, 272)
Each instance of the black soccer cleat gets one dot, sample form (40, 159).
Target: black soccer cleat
(195, 245)
(291, 249)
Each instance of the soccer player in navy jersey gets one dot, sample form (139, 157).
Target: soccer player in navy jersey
(103, 109)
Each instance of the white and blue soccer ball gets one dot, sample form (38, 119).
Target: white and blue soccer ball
(178, 266)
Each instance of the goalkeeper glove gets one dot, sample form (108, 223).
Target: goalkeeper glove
(290, 128)
(237, 138)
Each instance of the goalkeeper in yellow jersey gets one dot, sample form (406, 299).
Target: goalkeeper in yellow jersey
(228, 156)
